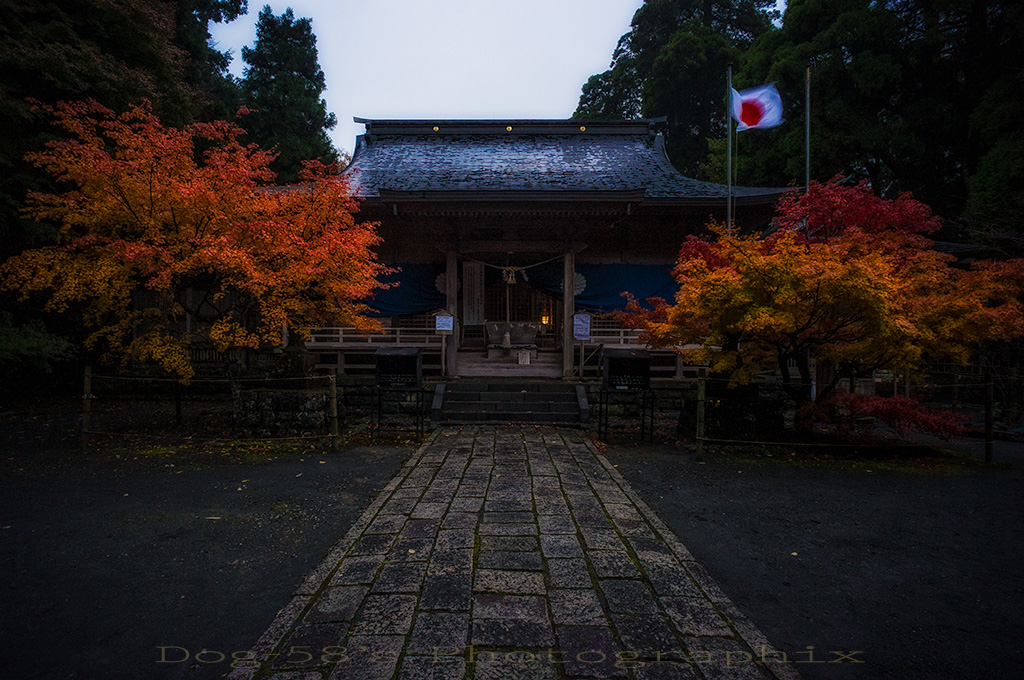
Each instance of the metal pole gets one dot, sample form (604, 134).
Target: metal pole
(86, 406)
(989, 418)
(807, 131)
(728, 147)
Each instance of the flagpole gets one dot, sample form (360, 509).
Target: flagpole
(735, 166)
(728, 147)
(807, 130)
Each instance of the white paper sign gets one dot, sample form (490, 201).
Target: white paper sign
(581, 326)
(444, 324)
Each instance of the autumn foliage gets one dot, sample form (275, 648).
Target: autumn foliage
(845, 411)
(172, 236)
(847, 280)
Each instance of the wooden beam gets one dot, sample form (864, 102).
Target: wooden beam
(504, 246)
(568, 308)
(452, 304)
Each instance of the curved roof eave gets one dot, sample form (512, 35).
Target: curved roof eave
(528, 160)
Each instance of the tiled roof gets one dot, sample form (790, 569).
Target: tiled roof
(539, 159)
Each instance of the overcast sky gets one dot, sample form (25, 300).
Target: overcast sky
(449, 58)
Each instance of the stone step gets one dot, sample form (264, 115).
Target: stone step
(502, 418)
(499, 385)
(511, 397)
(499, 401)
(505, 407)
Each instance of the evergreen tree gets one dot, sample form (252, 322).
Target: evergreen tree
(117, 52)
(218, 94)
(114, 51)
(995, 198)
(912, 95)
(282, 84)
(672, 63)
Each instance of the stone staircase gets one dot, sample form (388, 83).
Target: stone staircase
(498, 401)
(505, 364)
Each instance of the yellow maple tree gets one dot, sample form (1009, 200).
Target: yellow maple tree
(855, 287)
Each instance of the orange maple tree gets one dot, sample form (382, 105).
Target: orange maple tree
(847, 279)
(171, 236)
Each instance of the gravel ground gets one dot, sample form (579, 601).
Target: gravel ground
(919, 573)
(106, 559)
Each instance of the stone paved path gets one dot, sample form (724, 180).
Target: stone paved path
(508, 553)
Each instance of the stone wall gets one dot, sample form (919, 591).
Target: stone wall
(282, 413)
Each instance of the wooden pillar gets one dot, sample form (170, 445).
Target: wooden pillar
(332, 406)
(568, 308)
(452, 304)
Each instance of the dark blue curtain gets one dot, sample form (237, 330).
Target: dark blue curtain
(415, 293)
(605, 283)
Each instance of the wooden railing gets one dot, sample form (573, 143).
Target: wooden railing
(343, 337)
(614, 336)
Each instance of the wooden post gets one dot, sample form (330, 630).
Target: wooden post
(568, 309)
(444, 354)
(989, 418)
(451, 302)
(700, 417)
(86, 406)
(332, 392)
(177, 404)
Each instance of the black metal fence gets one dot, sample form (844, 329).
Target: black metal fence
(967, 390)
(316, 408)
(703, 411)
(708, 412)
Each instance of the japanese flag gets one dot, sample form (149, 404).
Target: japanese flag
(758, 107)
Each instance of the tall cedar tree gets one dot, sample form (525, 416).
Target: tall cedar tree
(171, 236)
(282, 86)
(207, 68)
(848, 279)
(672, 63)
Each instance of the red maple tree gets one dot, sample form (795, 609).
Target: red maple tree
(168, 237)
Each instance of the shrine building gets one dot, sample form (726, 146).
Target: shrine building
(514, 227)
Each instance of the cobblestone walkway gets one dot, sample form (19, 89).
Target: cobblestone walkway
(508, 553)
